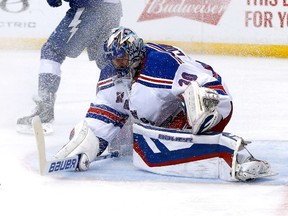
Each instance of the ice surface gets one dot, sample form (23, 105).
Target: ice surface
(115, 187)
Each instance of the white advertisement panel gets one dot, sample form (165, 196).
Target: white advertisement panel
(28, 18)
(225, 21)
(232, 22)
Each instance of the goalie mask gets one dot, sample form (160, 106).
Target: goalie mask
(125, 50)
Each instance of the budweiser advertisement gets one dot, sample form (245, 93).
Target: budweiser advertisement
(206, 11)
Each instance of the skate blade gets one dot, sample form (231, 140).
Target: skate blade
(259, 176)
(28, 129)
(269, 174)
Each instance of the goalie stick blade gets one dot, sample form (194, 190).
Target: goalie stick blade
(70, 163)
(60, 165)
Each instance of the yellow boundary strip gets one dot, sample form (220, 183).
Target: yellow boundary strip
(279, 51)
(23, 43)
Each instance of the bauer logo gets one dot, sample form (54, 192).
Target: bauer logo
(63, 165)
(177, 139)
(207, 11)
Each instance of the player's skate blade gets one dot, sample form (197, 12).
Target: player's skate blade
(27, 129)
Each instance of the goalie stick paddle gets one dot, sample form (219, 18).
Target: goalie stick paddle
(58, 165)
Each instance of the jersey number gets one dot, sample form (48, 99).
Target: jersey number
(187, 78)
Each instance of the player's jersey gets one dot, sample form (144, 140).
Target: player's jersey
(84, 26)
(154, 94)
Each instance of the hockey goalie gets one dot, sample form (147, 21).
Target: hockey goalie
(179, 108)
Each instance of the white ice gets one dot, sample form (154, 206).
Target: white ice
(115, 187)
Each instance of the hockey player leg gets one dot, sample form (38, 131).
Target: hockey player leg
(200, 105)
(84, 142)
(48, 85)
(174, 152)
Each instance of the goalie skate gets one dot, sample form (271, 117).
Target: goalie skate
(253, 168)
(44, 109)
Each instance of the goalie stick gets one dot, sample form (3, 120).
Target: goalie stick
(58, 165)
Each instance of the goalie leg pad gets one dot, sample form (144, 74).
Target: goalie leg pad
(200, 105)
(82, 142)
(179, 153)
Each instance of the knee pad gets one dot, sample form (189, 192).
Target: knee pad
(49, 51)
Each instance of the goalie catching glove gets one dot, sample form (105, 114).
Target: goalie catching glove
(200, 106)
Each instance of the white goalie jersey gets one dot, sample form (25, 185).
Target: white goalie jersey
(154, 95)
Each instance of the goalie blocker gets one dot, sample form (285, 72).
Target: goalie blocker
(178, 153)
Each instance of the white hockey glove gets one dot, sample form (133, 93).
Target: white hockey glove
(82, 142)
(200, 105)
